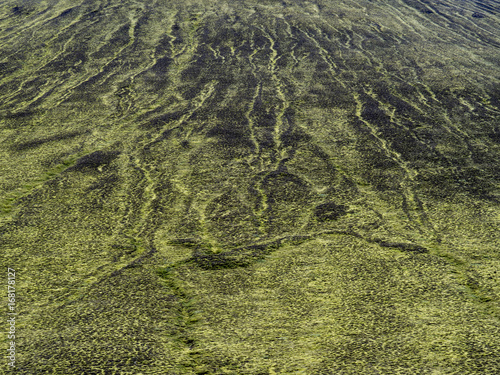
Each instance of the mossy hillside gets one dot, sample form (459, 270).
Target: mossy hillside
(256, 310)
(251, 187)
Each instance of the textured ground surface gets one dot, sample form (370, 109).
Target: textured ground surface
(252, 186)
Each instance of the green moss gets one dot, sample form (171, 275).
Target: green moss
(251, 187)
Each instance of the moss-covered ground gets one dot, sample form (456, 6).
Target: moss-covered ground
(251, 187)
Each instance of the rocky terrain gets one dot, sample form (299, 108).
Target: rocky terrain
(252, 186)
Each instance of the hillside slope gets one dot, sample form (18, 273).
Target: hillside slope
(252, 186)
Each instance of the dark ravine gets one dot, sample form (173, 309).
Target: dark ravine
(252, 187)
